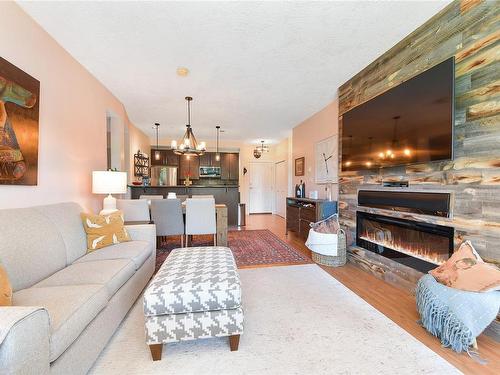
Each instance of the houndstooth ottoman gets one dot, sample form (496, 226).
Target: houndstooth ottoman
(195, 294)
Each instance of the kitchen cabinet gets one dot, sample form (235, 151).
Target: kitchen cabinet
(154, 160)
(229, 164)
(189, 165)
(208, 160)
(172, 159)
(234, 166)
(167, 157)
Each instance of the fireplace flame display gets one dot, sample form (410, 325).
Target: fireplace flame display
(426, 246)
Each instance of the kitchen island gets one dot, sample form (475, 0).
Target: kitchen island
(223, 194)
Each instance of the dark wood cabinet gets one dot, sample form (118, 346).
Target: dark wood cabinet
(213, 160)
(172, 159)
(167, 157)
(301, 212)
(208, 159)
(157, 160)
(234, 166)
(189, 165)
(229, 164)
(292, 218)
(224, 166)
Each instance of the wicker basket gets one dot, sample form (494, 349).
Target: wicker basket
(330, 260)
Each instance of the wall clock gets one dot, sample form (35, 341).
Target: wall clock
(326, 160)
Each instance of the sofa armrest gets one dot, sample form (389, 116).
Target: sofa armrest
(24, 340)
(143, 232)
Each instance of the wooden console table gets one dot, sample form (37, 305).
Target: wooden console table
(300, 212)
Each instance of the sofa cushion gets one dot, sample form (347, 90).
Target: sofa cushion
(136, 251)
(111, 273)
(194, 279)
(31, 246)
(71, 308)
(66, 217)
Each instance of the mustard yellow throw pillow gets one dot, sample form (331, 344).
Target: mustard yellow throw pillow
(5, 288)
(104, 230)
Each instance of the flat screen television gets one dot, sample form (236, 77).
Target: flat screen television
(410, 123)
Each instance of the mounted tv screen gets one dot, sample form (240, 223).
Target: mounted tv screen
(410, 123)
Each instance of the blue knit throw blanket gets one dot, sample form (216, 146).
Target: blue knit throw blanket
(455, 316)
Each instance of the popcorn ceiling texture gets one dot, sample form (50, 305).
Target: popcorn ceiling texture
(256, 68)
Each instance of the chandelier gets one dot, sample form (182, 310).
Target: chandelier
(188, 144)
(259, 150)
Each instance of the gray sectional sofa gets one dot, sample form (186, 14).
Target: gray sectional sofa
(67, 303)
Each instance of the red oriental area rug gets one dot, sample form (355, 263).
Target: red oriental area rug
(250, 248)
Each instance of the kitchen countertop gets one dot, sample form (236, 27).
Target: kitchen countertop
(182, 186)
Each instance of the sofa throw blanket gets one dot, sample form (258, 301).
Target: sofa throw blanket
(456, 317)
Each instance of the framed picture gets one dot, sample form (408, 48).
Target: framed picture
(300, 166)
(19, 108)
(326, 160)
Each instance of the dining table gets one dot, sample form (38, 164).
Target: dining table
(220, 220)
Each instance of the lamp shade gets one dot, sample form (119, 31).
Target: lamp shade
(109, 182)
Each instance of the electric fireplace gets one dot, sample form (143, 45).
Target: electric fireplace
(422, 246)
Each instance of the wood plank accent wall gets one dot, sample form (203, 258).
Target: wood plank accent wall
(470, 31)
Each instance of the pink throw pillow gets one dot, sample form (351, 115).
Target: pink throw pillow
(465, 270)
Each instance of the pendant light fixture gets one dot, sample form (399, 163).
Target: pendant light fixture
(217, 154)
(157, 151)
(188, 144)
(259, 150)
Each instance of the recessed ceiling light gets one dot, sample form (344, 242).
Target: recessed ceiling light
(182, 71)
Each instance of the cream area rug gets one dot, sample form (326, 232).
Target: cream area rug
(298, 320)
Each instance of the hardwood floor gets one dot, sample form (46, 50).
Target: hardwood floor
(397, 304)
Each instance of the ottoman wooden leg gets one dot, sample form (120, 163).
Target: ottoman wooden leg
(234, 342)
(156, 351)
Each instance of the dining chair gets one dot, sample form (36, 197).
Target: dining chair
(202, 197)
(183, 197)
(149, 198)
(134, 209)
(168, 218)
(200, 218)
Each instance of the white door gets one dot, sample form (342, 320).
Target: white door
(261, 188)
(281, 190)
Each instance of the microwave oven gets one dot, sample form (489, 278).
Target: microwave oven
(213, 172)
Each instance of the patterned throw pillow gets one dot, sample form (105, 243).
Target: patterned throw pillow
(465, 270)
(104, 230)
(5, 288)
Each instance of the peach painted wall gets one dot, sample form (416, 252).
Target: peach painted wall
(319, 126)
(73, 107)
(137, 140)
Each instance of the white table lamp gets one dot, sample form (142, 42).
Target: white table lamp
(109, 182)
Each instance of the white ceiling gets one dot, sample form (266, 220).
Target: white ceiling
(256, 68)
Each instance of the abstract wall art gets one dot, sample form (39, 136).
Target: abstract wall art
(19, 110)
